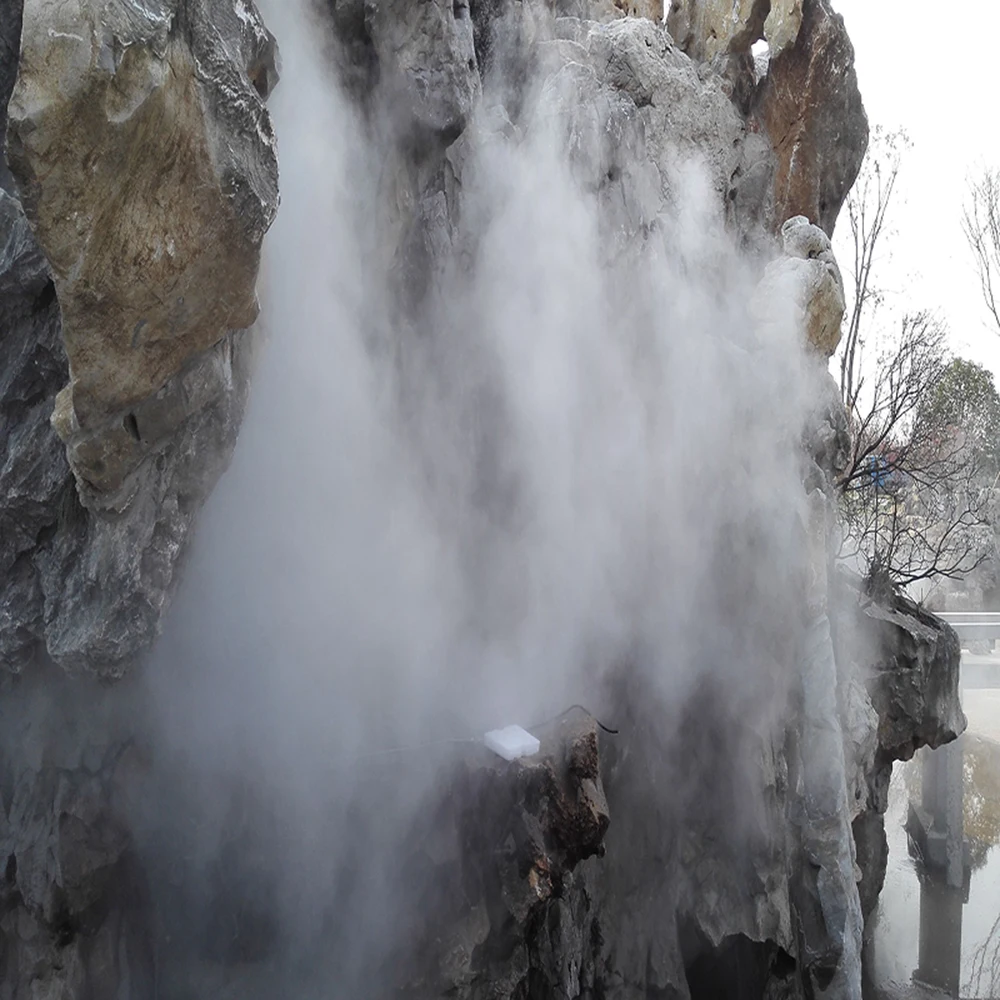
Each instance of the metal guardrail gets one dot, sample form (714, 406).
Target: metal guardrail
(973, 624)
(977, 626)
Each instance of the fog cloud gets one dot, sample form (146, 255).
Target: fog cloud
(576, 461)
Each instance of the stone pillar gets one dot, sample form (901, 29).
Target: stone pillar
(940, 937)
(941, 799)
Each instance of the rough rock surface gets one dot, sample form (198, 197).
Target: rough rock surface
(810, 107)
(808, 279)
(782, 25)
(151, 272)
(75, 915)
(10, 41)
(428, 60)
(807, 100)
(87, 589)
(705, 29)
(908, 661)
(89, 547)
(653, 9)
(534, 893)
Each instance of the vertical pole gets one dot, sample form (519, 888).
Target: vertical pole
(940, 963)
(942, 801)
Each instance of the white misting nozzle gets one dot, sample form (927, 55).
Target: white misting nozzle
(512, 742)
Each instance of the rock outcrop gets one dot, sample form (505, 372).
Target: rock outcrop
(908, 661)
(807, 279)
(428, 62)
(10, 43)
(807, 101)
(600, 868)
(705, 29)
(155, 271)
(810, 107)
(134, 302)
(75, 913)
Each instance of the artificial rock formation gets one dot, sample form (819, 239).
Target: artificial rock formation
(705, 30)
(146, 168)
(153, 271)
(807, 102)
(709, 28)
(908, 661)
(807, 280)
(594, 870)
(428, 54)
(810, 107)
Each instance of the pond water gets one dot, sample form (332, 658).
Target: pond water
(925, 931)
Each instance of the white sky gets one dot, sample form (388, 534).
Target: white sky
(941, 87)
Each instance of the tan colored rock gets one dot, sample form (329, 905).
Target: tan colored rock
(808, 101)
(146, 161)
(781, 28)
(804, 286)
(705, 29)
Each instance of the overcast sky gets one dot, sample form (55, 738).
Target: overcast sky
(936, 78)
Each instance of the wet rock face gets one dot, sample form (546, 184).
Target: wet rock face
(75, 915)
(633, 110)
(10, 40)
(153, 271)
(526, 831)
(915, 681)
(34, 475)
(495, 868)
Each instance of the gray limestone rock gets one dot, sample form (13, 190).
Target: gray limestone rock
(10, 42)
(427, 60)
(75, 916)
(908, 661)
(33, 470)
(915, 673)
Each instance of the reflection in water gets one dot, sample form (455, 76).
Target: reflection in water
(940, 961)
(922, 930)
(982, 798)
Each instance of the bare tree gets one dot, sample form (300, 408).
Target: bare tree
(985, 975)
(981, 222)
(914, 502)
(867, 213)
